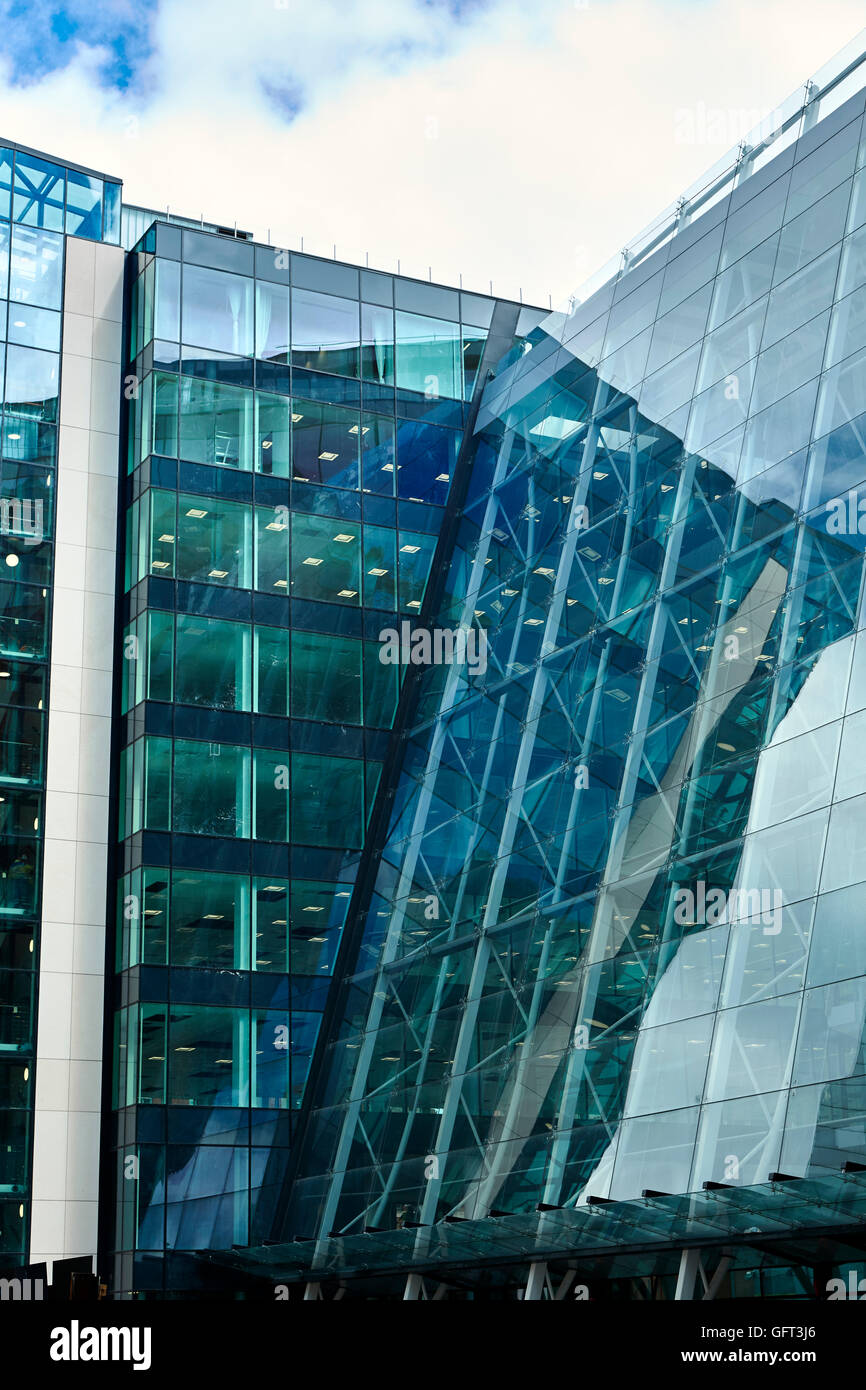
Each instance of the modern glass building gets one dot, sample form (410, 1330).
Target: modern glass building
(445, 872)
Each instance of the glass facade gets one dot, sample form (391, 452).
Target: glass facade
(640, 828)
(566, 960)
(294, 429)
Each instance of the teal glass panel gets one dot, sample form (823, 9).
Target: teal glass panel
(271, 1036)
(272, 549)
(153, 1050)
(429, 356)
(211, 789)
(214, 541)
(270, 902)
(32, 384)
(162, 544)
(210, 919)
(153, 902)
(326, 678)
(216, 423)
(270, 795)
(160, 640)
(380, 567)
(381, 688)
(273, 435)
(156, 781)
(327, 801)
(326, 559)
(318, 914)
(271, 671)
(212, 663)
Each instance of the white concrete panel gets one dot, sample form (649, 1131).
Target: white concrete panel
(72, 959)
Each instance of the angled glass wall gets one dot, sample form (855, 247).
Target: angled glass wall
(607, 944)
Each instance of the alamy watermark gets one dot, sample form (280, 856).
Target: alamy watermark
(438, 646)
(710, 907)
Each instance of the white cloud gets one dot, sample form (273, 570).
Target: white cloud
(525, 144)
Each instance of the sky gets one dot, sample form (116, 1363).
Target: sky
(518, 142)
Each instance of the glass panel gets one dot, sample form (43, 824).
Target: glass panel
(325, 444)
(36, 268)
(35, 328)
(378, 455)
(326, 678)
(271, 675)
(327, 801)
(326, 559)
(377, 340)
(273, 435)
(752, 1048)
(167, 299)
(429, 356)
(325, 332)
(83, 205)
(426, 455)
(415, 556)
(214, 541)
(217, 310)
(669, 1065)
(272, 549)
(216, 423)
(653, 1153)
(839, 936)
(212, 789)
(209, 919)
(272, 321)
(32, 383)
(271, 924)
(208, 1056)
(831, 1033)
(317, 918)
(212, 663)
(271, 802)
(165, 388)
(380, 567)
(39, 192)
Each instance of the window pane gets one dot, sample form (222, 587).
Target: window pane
(209, 919)
(271, 675)
(35, 328)
(327, 801)
(208, 1056)
(83, 205)
(272, 549)
(212, 663)
(426, 455)
(271, 801)
(217, 310)
(325, 332)
(380, 567)
(39, 192)
(377, 339)
(270, 924)
(273, 435)
(272, 321)
(429, 356)
(378, 472)
(326, 559)
(318, 914)
(211, 789)
(167, 299)
(415, 555)
(325, 443)
(215, 423)
(326, 678)
(213, 542)
(36, 274)
(32, 379)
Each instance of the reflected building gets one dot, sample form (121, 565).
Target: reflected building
(491, 977)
